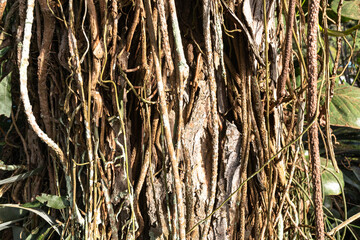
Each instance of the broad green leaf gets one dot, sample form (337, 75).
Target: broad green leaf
(332, 182)
(345, 107)
(53, 201)
(347, 142)
(34, 204)
(11, 214)
(3, 51)
(39, 212)
(327, 202)
(350, 9)
(5, 96)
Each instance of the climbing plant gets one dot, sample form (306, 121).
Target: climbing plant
(178, 119)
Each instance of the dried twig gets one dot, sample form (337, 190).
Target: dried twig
(344, 224)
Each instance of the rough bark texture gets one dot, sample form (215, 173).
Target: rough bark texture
(312, 115)
(161, 114)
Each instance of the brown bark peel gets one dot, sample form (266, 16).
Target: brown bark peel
(49, 26)
(214, 126)
(312, 112)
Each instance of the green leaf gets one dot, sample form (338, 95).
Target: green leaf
(3, 51)
(354, 210)
(53, 201)
(350, 9)
(356, 171)
(351, 180)
(11, 214)
(44, 233)
(347, 142)
(34, 204)
(19, 177)
(40, 232)
(5, 96)
(6, 225)
(344, 107)
(39, 212)
(332, 182)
